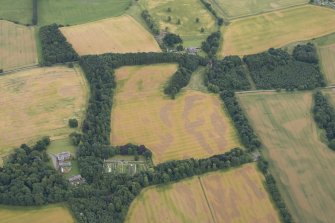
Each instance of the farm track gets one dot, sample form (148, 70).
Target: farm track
(205, 195)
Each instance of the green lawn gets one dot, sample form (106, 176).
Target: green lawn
(16, 10)
(61, 145)
(73, 12)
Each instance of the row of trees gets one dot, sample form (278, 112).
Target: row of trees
(227, 74)
(212, 43)
(277, 69)
(209, 7)
(35, 12)
(27, 178)
(324, 116)
(151, 23)
(55, 48)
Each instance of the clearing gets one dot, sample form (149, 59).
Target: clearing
(17, 11)
(276, 29)
(117, 35)
(237, 195)
(301, 163)
(192, 125)
(73, 12)
(234, 9)
(186, 11)
(39, 102)
(17, 45)
(58, 213)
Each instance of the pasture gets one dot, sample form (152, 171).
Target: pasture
(192, 125)
(57, 213)
(327, 56)
(301, 163)
(19, 10)
(237, 195)
(186, 11)
(276, 29)
(118, 35)
(17, 45)
(73, 12)
(234, 9)
(39, 102)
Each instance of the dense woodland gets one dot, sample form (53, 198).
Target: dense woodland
(324, 116)
(277, 69)
(55, 48)
(28, 179)
(212, 44)
(227, 74)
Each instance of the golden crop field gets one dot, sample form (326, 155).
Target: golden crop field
(39, 102)
(192, 125)
(327, 56)
(117, 35)
(302, 164)
(51, 214)
(17, 45)
(275, 29)
(234, 196)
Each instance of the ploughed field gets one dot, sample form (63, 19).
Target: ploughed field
(192, 125)
(38, 102)
(302, 164)
(115, 35)
(237, 195)
(275, 29)
(51, 214)
(17, 45)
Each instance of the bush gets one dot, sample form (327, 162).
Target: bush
(1, 71)
(73, 123)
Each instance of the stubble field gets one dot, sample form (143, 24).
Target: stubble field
(327, 56)
(234, 196)
(38, 102)
(17, 45)
(276, 29)
(117, 35)
(301, 163)
(192, 125)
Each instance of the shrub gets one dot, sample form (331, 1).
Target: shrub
(73, 123)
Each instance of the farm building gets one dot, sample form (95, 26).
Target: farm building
(63, 156)
(192, 50)
(64, 167)
(76, 180)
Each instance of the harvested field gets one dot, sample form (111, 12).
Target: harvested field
(301, 163)
(186, 11)
(52, 214)
(17, 45)
(276, 29)
(233, 9)
(39, 102)
(115, 35)
(327, 56)
(19, 10)
(73, 12)
(192, 125)
(234, 196)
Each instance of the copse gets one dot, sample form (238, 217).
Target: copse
(172, 39)
(212, 43)
(306, 53)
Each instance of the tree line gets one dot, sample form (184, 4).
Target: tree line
(151, 23)
(220, 21)
(35, 12)
(55, 48)
(324, 116)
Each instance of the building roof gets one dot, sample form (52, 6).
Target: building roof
(64, 164)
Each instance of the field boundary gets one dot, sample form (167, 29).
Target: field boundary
(208, 204)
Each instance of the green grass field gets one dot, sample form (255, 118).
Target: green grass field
(301, 163)
(71, 12)
(233, 9)
(276, 29)
(56, 213)
(186, 11)
(17, 10)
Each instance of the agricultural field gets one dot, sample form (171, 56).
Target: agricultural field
(17, 45)
(19, 11)
(39, 102)
(73, 12)
(234, 9)
(234, 196)
(275, 29)
(186, 11)
(192, 125)
(327, 56)
(116, 35)
(302, 164)
(52, 214)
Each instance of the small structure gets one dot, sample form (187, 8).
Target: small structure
(76, 180)
(192, 50)
(63, 156)
(63, 162)
(65, 167)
